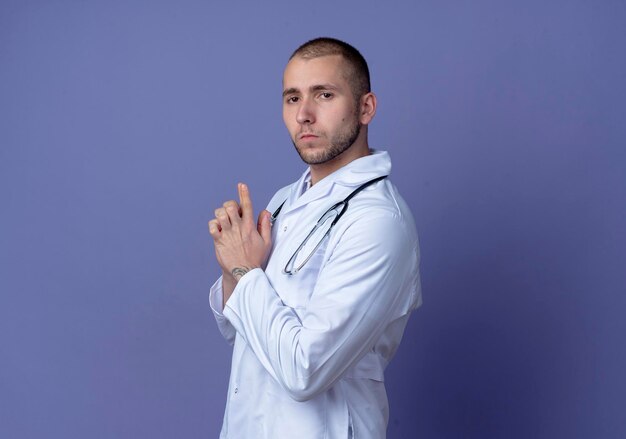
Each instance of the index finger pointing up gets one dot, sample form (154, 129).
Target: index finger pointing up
(245, 202)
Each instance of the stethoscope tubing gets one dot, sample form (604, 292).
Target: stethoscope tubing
(344, 208)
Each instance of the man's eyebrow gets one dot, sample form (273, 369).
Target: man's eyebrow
(289, 91)
(313, 88)
(320, 87)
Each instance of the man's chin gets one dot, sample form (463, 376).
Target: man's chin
(311, 155)
(312, 159)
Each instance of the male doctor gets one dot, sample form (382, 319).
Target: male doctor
(316, 293)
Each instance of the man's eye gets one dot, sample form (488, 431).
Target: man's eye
(292, 99)
(326, 95)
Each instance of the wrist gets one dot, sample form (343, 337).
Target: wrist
(228, 286)
(227, 275)
(240, 271)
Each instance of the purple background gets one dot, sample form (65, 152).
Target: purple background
(123, 124)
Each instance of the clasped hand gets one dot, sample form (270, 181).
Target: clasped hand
(240, 244)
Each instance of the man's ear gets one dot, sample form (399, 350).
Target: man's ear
(367, 108)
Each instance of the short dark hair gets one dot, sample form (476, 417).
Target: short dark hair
(358, 74)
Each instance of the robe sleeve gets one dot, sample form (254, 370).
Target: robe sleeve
(216, 301)
(370, 280)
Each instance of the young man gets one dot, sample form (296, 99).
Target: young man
(316, 296)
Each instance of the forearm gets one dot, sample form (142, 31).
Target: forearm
(305, 356)
(228, 286)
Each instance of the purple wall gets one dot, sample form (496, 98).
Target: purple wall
(124, 123)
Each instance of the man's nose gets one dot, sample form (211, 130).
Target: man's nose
(306, 113)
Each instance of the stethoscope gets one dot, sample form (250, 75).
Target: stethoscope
(321, 229)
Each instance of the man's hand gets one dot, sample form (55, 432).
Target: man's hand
(240, 244)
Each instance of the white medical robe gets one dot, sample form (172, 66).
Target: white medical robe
(310, 349)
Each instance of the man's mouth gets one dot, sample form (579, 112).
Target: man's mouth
(307, 136)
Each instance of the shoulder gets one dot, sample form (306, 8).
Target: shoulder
(377, 238)
(380, 205)
(380, 216)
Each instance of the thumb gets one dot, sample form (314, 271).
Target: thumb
(264, 226)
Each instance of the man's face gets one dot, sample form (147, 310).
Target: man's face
(319, 108)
